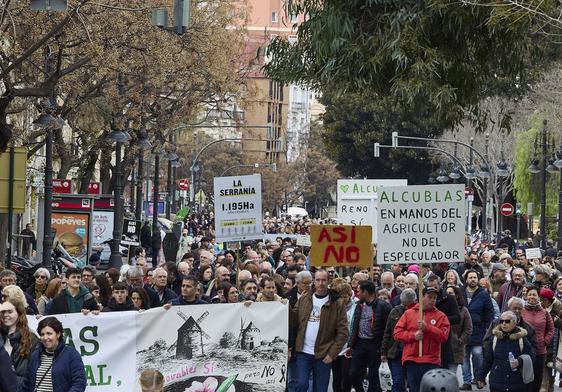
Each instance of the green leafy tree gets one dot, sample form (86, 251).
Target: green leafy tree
(527, 185)
(435, 55)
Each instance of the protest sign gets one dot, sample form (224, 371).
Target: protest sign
(238, 211)
(131, 232)
(218, 344)
(357, 201)
(421, 224)
(533, 253)
(303, 240)
(333, 246)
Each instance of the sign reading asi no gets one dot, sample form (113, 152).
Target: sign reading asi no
(341, 245)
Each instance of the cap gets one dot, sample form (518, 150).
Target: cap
(414, 268)
(430, 290)
(498, 267)
(546, 293)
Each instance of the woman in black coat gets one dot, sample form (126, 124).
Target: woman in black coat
(7, 375)
(15, 336)
(506, 375)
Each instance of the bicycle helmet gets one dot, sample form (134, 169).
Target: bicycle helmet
(439, 380)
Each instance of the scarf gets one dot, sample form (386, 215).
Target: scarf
(532, 307)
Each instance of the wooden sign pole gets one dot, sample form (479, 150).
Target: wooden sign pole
(420, 302)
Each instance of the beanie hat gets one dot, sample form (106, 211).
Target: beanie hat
(414, 268)
(546, 293)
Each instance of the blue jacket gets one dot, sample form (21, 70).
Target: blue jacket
(68, 373)
(481, 312)
(496, 360)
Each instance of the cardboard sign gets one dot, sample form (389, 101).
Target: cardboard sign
(357, 201)
(339, 245)
(131, 232)
(421, 224)
(533, 253)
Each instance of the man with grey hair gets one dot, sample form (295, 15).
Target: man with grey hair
(303, 284)
(486, 263)
(184, 268)
(164, 294)
(391, 350)
(387, 282)
(411, 281)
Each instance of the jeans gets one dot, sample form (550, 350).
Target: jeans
(415, 372)
(477, 362)
(366, 355)
(305, 363)
(341, 382)
(291, 375)
(397, 372)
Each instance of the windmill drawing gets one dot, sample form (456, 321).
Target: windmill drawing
(249, 337)
(190, 336)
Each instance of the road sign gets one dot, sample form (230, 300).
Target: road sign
(507, 209)
(183, 184)
(468, 191)
(61, 185)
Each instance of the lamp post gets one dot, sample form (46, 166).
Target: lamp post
(273, 167)
(119, 137)
(538, 165)
(501, 173)
(558, 164)
(171, 157)
(144, 144)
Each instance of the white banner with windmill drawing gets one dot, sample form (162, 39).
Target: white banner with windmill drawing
(203, 348)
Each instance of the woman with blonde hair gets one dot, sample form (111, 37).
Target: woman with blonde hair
(151, 380)
(14, 292)
(53, 288)
(15, 336)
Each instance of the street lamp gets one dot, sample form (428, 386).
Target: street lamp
(144, 144)
(48, 123)
(442, 175)
(118, 137)
(534, 168)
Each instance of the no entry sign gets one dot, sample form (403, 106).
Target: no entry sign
(333, 246)
(507, 209)
(183, 184)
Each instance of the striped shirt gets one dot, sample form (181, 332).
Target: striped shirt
(44, 380)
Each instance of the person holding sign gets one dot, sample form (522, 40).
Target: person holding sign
(432, 331)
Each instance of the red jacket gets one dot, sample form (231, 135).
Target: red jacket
(437, 329)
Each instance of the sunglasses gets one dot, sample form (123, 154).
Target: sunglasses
(505, 321)
(41, 277)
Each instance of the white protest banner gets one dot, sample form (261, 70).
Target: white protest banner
(238, 208)
(231, 346)
(421, 224)
(303, 240)
(533, 253)
(357, 201)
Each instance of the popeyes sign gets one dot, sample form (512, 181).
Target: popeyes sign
(344, 246)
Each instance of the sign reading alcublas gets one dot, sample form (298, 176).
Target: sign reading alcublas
(421, 224)
(238, 208)
(339, 245)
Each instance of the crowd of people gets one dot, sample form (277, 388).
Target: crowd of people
(498, 315)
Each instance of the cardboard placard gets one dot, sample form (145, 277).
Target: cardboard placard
(533, 253)
(341, 246)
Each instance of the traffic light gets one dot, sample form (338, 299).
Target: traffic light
(49, 5)
(377, 152)
(394, 139)
(182, 15)
(518, 209)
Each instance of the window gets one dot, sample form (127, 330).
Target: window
(294, 18)
(274, 17)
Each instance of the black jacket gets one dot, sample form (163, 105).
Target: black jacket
(146, 236)
(448, 305)
(19, 363)
(113, 306)
(59, 305)
(531, 334)
(391, 348)
(381, 310)
(155, 301)
(7, 374)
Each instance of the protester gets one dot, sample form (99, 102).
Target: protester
(53, 289)
(340, 368)
(53, 365)
(303, 285)
(120, 300)
(321, 326)
(8, 376)
(433, 331)
(479, 305)
(552, 305)
(75, 298)
(249, 290)
(541, 321)
(367, 330)
(39, 286)
(221, 275)
(140, 298)
(17, 294)
(391, 350)
(461, 332)
(188, 293)
(268, 291)
(510, 289)
(165, 295)
(506, 374)
(16, 337)
(151, 380)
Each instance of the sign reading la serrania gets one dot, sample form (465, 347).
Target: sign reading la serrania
(219, 347)
(421, 224)
(238, 212)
